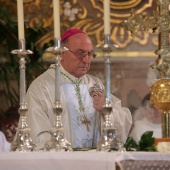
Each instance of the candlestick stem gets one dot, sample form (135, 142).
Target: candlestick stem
(107, 68)
(57, 69)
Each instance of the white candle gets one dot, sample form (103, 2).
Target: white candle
(20, 19)
(106, 16)
(56, 7)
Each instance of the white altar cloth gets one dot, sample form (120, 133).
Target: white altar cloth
(83, 160)
(57, 161)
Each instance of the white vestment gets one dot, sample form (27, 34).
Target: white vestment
(144, 125)
(4, 144)
(40, 116)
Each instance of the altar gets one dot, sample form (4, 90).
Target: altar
(84, 160)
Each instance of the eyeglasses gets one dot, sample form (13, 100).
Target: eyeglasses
(80, 55)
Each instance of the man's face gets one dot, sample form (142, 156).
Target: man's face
(77, 44)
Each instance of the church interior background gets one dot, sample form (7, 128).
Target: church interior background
(131, 75)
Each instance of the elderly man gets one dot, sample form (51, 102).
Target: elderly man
(81, 114)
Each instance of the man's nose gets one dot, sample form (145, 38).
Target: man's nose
(86, 59)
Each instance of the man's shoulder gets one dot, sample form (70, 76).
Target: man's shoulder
(43, 78)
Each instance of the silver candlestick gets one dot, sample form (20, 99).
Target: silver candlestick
(57, 141)
(108, 135)
(22, 141)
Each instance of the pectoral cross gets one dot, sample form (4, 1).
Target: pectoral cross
(86, 122)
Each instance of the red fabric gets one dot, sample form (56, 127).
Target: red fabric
(70, 32)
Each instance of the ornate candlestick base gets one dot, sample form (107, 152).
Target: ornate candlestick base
(57, 141)
(108, 140)
(22, 142)
(108, 136)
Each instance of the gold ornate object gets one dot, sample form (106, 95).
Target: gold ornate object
(160, 91)
(57, 141)
(160, 96)
(135, 23)
(22, 142)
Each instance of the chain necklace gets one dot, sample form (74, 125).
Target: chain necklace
(84, 119)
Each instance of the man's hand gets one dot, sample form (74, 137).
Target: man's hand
(98, 100)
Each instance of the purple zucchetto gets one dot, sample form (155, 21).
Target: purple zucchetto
(70, 32)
